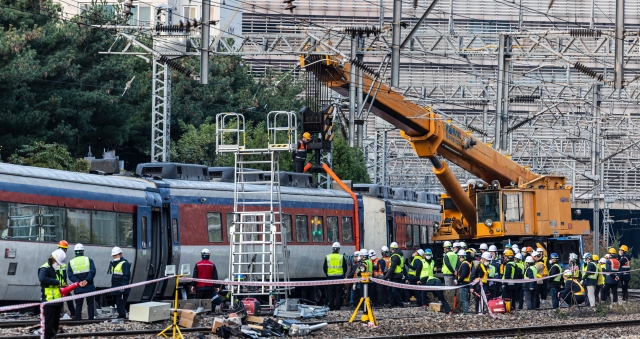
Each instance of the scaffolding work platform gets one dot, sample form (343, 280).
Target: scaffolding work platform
(257, 246)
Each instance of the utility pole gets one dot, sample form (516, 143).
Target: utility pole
(595, 161)
(502, 96)
(204, 44)
(619, 45)
(352, 94)
(395, 43)
(359, 121)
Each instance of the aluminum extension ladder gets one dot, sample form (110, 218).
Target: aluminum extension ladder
(257, 249)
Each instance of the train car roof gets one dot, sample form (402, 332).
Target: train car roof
(228, 186)
(75, 177)
(406, 203)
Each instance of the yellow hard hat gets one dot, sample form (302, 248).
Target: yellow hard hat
(624, 248)
(306, 135)
(595, 257)
(612, 250)
(508, 253)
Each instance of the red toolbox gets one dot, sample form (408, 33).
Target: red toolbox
(252, 305)
(497, 305)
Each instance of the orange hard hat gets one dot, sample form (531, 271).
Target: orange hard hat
(63, 244)
(528, 249)
(624, 248)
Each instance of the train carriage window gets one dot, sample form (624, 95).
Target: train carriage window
(409, 238)
(229, 224)
(125, 230)
(286, 223)
(416, 235)
(317, 229)
(249, 226)
(347, 230)
(52, 223)
(424, 235)
(332, 229)
(103, 228)
(214, 226)
(4, 218)
(79, 226)
(174, 228)
(144, 231)
(302, 228)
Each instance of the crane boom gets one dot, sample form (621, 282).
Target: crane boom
(509, 201)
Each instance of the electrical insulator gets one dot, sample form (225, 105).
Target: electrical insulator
(128, 5)
(290, 5)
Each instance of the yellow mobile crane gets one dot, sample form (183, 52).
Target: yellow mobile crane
(508, 202)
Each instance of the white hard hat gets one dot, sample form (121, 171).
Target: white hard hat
(446, 244)
(487, 256)
(363, 252)
(483, 247)
(493, 248)
(456, 244)
(535, 254)
(463, 244)
(115, 250)
(384, 249)
(205, 251)
(336, 244)
(372, 253)
(515, 247)
(78, 247)
(540, 250)
(59, 256)
(394, 245)
(462, 253)
(515, 250)
(356, 254)
(529, 259)
(420, 252)
(602, 261)
(519, 256)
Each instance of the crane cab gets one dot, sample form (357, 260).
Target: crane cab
(539, 208)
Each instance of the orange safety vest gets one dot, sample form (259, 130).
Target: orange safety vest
(615, 264)
(376, 272)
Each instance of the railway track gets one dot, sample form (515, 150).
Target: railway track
(517, 331)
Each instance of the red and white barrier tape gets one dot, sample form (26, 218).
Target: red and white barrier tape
(419, 287)
(279, 283)
(486, 302)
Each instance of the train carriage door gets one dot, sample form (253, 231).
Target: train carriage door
(156, 248)
(172, 232)
(143, 253)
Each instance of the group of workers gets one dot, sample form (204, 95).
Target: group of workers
(55, 272)
(485, 274)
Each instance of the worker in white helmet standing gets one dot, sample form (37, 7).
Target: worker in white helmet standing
(82, 269)
(449, 264)
(335, 267)
(121, 276)
(205, 269)
(395, 274)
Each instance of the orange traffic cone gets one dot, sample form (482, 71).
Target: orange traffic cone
(64, 291)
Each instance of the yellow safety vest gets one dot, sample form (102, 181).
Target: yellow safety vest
(53, 292)
(400, 266)
(486, 273)
(601, 268)
(334, 265)
(581, 292)
(427, 269)
(559, 277)
(80, 265)
(411, 270)
(513, 270)
(453, 260)
(593, 276)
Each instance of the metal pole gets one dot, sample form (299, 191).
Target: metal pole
(592, 22)
(484, 123)
(204, 44)
(595, 159)
(352, 95)
(619, 54)
(419, 23)
(360, 116)
(504, 125)
(499, 94)
(381, 14)
(395, 43)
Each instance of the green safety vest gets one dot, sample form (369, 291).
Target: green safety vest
(334, 265)
(116, 278)
(399, 267)
(513, 270)
(369, 265)
(453, 260)
(411, 270)
(593, 276)
(558, 278)
(80, 265)
(534, 269)
(53, 292)
(492, 271)
(427, 268)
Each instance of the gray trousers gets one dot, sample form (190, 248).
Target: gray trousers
(448, 279)
(591, 292)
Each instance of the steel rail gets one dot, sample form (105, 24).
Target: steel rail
(20, 323)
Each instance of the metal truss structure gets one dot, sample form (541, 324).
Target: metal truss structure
(161, 112)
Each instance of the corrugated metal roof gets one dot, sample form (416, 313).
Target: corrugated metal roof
(75, 177)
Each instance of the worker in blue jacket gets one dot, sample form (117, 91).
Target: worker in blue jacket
(121, 270)
(573, 293)
(82, 269)
(529, 288)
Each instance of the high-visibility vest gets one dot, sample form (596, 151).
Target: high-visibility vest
(544, 263)
(592, 276)
(52, 292)
(369, 265)
(400, 266)
(427, 268)
(377, 272)
(486, 273)
(581, 292)
(559, 277)
(453, 260)
(615, 264)
(468, 277)
(521, 266)
(513, 270)
(413, 262)
(601, 268)
(79, 265)
(334, 265)
(116, 278)
(533, 269)
(492, 271)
